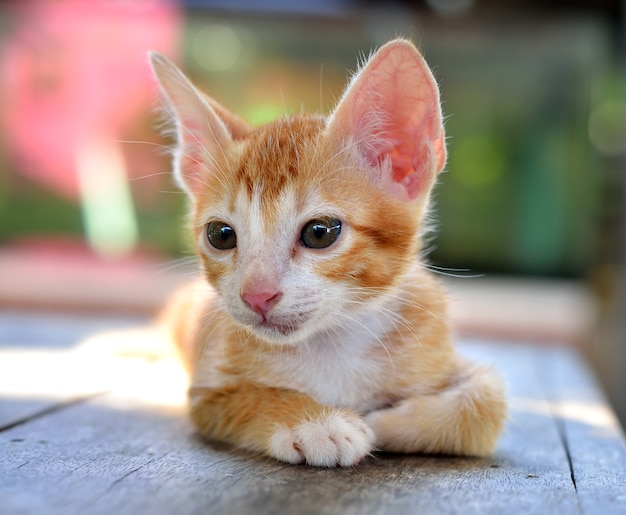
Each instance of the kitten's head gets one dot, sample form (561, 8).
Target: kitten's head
(306, 221)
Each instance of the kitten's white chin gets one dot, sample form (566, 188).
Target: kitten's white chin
(278, 333)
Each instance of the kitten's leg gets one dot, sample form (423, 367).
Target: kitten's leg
(281, 423)
(463, 419)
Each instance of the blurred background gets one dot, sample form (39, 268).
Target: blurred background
(530, 211)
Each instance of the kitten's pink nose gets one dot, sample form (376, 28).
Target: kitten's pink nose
(261, 302)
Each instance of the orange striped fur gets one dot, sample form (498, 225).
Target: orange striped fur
(322, 355)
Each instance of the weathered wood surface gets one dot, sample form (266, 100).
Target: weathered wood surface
(85, 433)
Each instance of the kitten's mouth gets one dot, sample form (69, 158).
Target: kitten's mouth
(276, 327)
(273, 327)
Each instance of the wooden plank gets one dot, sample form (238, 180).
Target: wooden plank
(531, 446)
(592, 435)
(133, 451)
(158, 467)
(55, 330)
(36, 382)
(39, 368)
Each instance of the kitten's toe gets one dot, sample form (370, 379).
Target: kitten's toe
(284, 447)
(335, 439)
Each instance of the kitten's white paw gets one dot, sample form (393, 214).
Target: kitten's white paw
(335, 439)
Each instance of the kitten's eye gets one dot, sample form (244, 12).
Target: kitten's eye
(319, 234)
(222, 236)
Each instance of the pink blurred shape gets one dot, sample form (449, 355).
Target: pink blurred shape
(74, 70)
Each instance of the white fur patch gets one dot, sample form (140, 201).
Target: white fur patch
(345, 367)
(335, 439)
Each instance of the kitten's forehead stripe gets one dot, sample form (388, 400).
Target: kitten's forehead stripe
(271, 160)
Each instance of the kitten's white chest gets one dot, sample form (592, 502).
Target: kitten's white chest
(344, 369)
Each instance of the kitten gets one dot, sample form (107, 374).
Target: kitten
(315, 335)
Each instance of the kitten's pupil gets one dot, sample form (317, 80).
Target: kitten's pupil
(319, 234)
(319, 231)
(221, 236)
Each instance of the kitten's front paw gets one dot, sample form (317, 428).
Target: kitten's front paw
(331, 440)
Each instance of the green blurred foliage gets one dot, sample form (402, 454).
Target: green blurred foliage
(525, 188)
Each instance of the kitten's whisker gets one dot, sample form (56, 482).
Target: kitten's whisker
(140, 142)
(172, 192)
(321, 86)
(183, 130)
(399, 296)
(344, 149)
(147, 176)
(372, 333)
(461, 273)
(184, 263)
(208, 339)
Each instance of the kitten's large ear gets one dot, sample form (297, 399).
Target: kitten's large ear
(204, 128)
(391, 112)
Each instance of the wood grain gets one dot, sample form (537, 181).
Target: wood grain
(590, 432)
(116, 441)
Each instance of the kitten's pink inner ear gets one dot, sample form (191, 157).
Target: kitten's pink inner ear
(205, 129)
(392, 111)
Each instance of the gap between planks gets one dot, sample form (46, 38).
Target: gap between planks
(52, 409)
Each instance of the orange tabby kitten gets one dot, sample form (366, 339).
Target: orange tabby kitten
(316, 336)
